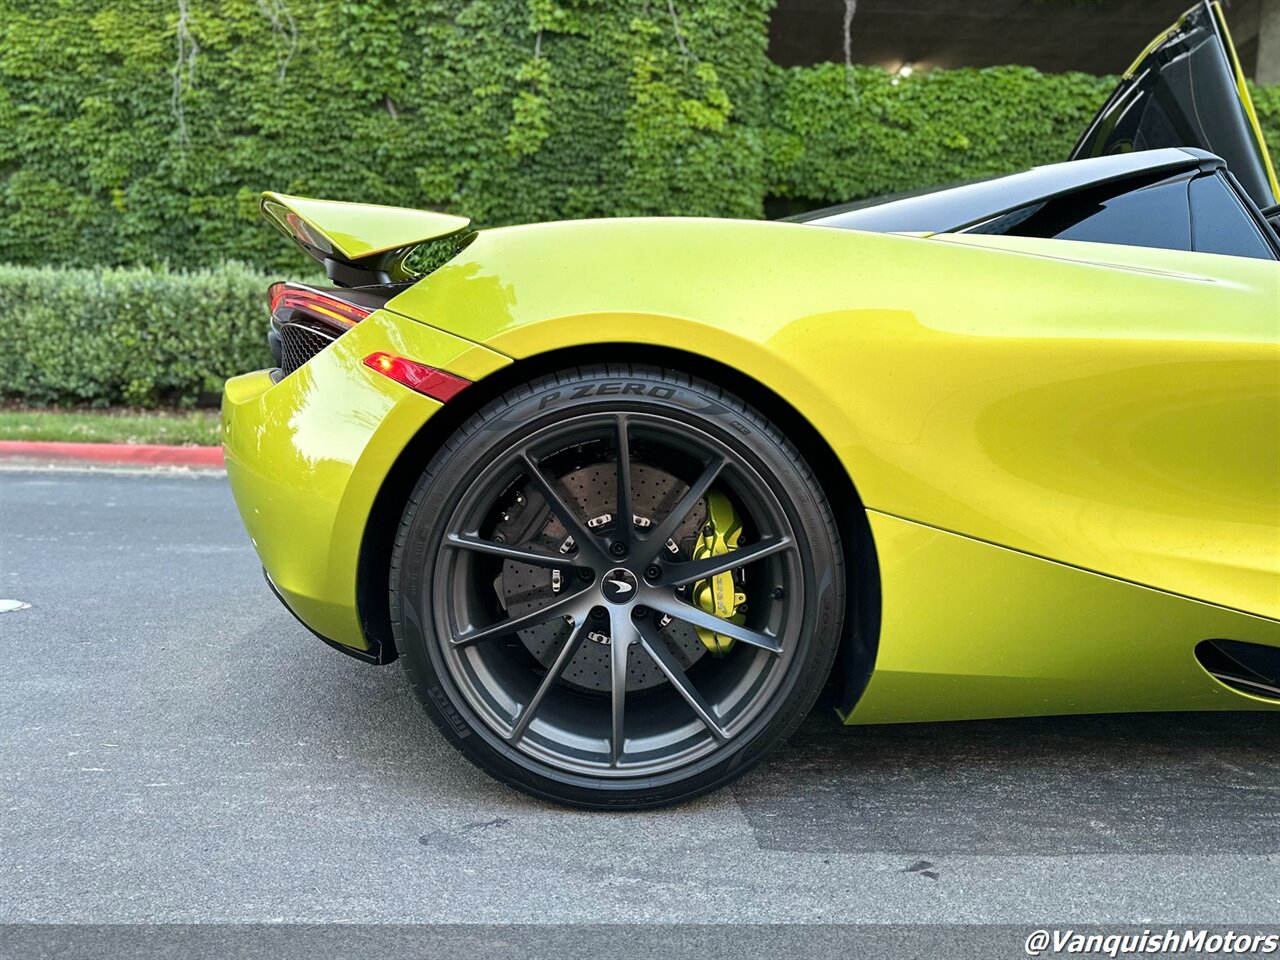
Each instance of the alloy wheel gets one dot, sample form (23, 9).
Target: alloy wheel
(565, 602)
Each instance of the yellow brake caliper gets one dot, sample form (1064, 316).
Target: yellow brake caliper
(718, 595)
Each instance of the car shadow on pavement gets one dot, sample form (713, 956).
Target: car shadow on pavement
(1135, 783)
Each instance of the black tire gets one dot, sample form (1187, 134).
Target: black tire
(789, 634)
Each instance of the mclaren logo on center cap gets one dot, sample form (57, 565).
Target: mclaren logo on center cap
(619, 586)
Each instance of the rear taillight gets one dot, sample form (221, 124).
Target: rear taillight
(305, 320)
(434, 383)
(288, 300)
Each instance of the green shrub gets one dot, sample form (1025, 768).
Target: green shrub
(129, 336)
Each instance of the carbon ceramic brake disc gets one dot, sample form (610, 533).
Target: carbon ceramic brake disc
(522, 587)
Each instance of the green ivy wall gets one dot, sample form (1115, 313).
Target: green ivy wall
(132, 132)
(142, 131)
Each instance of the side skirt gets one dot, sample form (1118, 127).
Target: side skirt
(971, 630)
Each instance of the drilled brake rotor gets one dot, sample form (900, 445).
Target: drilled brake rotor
(522, 587)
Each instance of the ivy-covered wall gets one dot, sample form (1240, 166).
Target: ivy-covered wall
(138, 130)
(142, 131)
(838, 133)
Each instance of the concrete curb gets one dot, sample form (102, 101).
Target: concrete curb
(135, 454)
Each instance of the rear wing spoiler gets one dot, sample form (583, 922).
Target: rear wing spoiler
(358, 243)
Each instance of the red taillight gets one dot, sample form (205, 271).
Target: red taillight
(294, 296)
(434, 383)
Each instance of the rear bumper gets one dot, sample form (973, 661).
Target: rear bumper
(375, 653)
(306, 457)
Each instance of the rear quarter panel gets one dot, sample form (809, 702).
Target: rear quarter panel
(307, 455)
(1110, 408)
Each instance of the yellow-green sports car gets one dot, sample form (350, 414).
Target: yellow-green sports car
(624, 495)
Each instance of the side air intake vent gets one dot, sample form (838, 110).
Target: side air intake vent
(1248, 667)
(299, 342)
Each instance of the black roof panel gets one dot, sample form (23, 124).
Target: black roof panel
(953, 209)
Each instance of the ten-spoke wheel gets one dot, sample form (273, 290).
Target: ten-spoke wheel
(620, 598)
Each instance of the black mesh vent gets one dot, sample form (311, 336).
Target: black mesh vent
(300, 342)
(1248, 667)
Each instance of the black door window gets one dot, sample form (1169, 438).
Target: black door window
(1154, 215)
(1221, 224)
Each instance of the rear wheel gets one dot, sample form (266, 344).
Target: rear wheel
(617, 587)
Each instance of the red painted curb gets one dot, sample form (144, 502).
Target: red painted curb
(134, 453)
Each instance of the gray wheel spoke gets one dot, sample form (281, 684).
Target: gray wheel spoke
(571, 604)
(624, 525)
(677, 574)
(656, 647)
(571, 645)
(466, 541)
(700, 618)
(582, 535)
(622, 634)
(663, 532)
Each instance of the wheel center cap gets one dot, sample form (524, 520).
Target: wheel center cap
(619, 586)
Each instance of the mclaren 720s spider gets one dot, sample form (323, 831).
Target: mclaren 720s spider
(624, 495)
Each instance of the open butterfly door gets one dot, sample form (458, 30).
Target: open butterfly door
(1187, 90)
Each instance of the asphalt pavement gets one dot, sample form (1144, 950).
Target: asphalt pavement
(176, 748)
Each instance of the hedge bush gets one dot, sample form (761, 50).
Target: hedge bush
(133, 336)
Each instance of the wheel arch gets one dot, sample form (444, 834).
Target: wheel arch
(860, 638)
